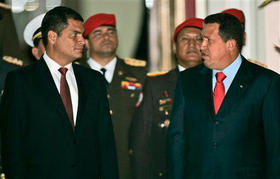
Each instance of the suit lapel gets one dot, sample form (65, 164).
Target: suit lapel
(237, 88)
(207, 86)
(82, 94)
(49, 91)
(201, 84)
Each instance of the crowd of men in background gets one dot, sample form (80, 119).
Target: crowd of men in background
(215, 115)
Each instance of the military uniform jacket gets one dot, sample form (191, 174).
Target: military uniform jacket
(5, 67)
(149, 127)
(123, 94)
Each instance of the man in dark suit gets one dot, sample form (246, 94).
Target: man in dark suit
(125, 78)
(55, 119)
(151, 120)
(226, 115)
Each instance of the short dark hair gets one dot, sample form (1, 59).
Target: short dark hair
(229, 27)
(57, 20)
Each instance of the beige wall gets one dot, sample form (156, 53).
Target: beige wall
(272, 35)
(128, 13)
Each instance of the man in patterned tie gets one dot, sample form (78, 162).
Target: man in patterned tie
(226, 115)
(55, 122)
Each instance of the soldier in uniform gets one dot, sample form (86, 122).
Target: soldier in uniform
(9, 46)
(7, 64)
(151, 120)
(33, 36)
(125, 79)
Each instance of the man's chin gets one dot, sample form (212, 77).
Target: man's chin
(193, 57)
(79, 55)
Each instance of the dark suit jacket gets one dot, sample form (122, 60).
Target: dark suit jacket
(38, 140)
(149, 127)
(122, 106)
(241, 141)
(9, 44)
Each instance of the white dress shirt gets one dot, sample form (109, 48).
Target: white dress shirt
(181, 68)
(71, 80)
(230, 72)
(110, 68)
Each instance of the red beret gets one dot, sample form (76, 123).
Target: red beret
(237, 13)
(192, 22)
(98, 20)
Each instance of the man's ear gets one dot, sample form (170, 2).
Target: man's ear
(86, 43)
(244, 38)
(174, 47)
(52, 36)
(34, 51)
(231, 44)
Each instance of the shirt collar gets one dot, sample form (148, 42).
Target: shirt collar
(53, 66)
(181, 68)
(230, 72)
(96, 66)
(232, 69)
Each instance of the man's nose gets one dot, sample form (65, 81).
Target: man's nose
(81, 40)
(203, 44)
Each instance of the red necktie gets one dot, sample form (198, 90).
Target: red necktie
(65, 94)
(219, 91)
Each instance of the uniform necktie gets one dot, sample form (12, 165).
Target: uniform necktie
(219, 91)
(65, 95)
(103, 70)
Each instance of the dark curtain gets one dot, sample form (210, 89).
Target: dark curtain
(142, 47)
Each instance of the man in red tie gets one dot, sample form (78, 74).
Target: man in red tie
(55, 120)
(225, 121)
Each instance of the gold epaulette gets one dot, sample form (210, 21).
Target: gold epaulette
(156, 73)
(13, 60)
(257, 63)
(6, 6)
(76, 62)
(135, 62)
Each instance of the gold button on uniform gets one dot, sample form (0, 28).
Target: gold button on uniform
(108, 96)
(160, 174)
(130, 151)
(132, 95)
(111, 111)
